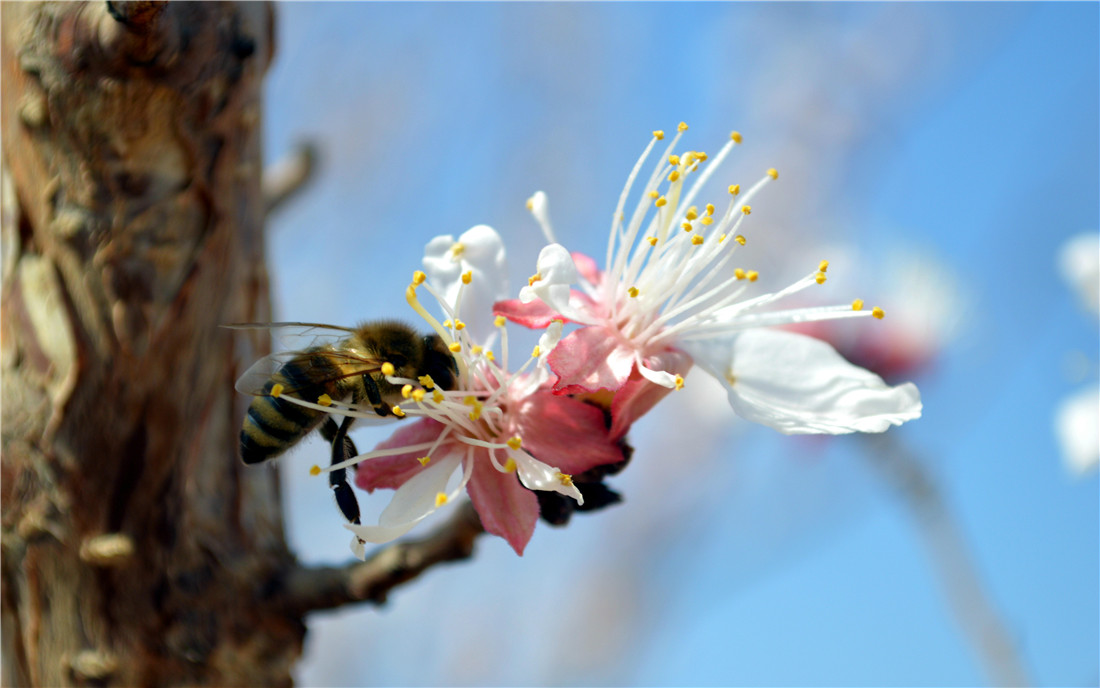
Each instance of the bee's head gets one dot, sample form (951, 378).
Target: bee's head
(439, 362)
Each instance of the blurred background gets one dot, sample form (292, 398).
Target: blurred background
(940, 156)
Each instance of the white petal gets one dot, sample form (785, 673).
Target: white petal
(479, 251)
(1079, 262)
(535, 475)
(549, 339)
(798, 384)
(357, 548)
(379, 534)
(1077, 423)
(539, 207)
(657, 377)
(416, 498)
(411, 503)
(557, 273)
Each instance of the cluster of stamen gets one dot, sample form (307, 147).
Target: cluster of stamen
(679, 286)
(475, 413)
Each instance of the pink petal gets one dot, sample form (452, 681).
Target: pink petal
(506, 508)
(590, 359)
(536, 315)
(392, 471)
(587, 268)
(566, 433)
(639, 395)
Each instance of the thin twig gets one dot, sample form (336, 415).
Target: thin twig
(951, 560)
(285, 178)
(309, 589)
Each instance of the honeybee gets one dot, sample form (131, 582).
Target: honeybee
(340, 364)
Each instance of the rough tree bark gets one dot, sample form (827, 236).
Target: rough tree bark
(137, 550)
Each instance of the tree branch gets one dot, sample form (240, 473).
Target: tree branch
(286, 177)
(308, 589)
(966, 595)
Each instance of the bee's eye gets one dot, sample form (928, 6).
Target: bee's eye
(398, 361)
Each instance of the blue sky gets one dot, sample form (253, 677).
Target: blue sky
(963, 132)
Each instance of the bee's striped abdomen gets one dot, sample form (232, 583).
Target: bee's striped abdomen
(273, 424)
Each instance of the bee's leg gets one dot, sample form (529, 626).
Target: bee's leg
(374, 395)
(342, 449)
(329, 430)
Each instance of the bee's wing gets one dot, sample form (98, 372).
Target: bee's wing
(340, 364)
(299, 336)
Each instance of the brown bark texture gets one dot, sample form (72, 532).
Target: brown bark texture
(137, 550)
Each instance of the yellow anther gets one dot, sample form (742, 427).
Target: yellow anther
(739, 274)
(531, 203)
(418, 395)
(440, 499)
(510, 465)
(633, 291)
(857, 305)
(426, 381)
(447, 323)
(697, 240)
(457, 249)
(692, 213)
(490, 355)
(276, 390)
(654, 193)
(533, 278)
(740, 239)
(686, 226)
(710, 208)
(397, 411)
(455, 347)
(674, 175)
(700, 156)
(878, 313)
(419, 277)
(406, 391)
(736, 136)
(753, 275)
(536, 351)
(747, 209)
(652, 241)
(823, 266)
(387, 368)
(773, 173)
(467, 276)
(565, 478)
(721, 238)
(475, 407)
(658, 134)
(324, 400)
(674, 160)
(679, 382)
(707, 220)
(682, 126)
(459, 325)
(437, 397)
(661, 202)
(515, 442)
(820, 278)
(735, 189)
(476, 349)
(500, 320)
(315, 470)
(424, 460)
